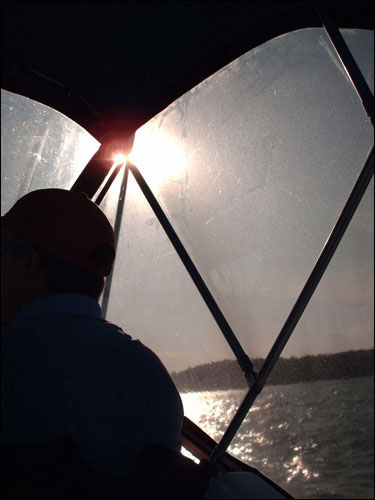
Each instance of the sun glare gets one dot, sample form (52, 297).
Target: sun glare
(157, 156)
(119, 159)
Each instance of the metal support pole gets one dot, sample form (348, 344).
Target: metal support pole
(119, 212)
(300, 305)
(108, 184)
(242, 357)
(347, 60)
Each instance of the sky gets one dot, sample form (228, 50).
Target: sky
(252, 167)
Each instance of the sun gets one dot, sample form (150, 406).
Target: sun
(157, 155)
(119, 159)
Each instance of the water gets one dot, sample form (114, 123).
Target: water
(316, 440)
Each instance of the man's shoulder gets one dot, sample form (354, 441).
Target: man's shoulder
(104, 327)
(66, 333)
(107, 337)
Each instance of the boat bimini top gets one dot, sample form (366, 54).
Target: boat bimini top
(230, 144)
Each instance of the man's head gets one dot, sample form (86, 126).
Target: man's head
(53, 241)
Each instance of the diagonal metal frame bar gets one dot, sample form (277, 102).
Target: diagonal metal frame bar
(108, 184)
(243, 359)
(116, 229)
(347, 60)
(126, 146)
(300, 305)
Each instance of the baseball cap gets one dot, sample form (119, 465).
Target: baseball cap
(66, 223)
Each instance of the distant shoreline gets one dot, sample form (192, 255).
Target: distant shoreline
(226, 374)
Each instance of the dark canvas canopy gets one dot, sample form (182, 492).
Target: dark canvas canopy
(110, 66)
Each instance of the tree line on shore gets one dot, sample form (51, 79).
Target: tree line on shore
(226, 374)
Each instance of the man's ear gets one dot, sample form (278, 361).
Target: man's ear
(31, 265)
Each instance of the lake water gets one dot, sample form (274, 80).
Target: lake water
(316, 440)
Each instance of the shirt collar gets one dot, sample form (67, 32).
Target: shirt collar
(60, 303)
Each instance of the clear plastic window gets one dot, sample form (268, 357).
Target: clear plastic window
(253, 167)
(40, 148)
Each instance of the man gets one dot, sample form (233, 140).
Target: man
(66, 371)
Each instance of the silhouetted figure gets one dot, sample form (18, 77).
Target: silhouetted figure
(82, 402)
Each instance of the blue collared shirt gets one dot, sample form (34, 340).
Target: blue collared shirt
(68, 372)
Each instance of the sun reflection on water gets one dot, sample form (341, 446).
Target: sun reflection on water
(260, 434)
(295, 467)
(212, 414)
(291, 435)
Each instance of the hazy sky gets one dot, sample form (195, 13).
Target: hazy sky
(253, 167)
